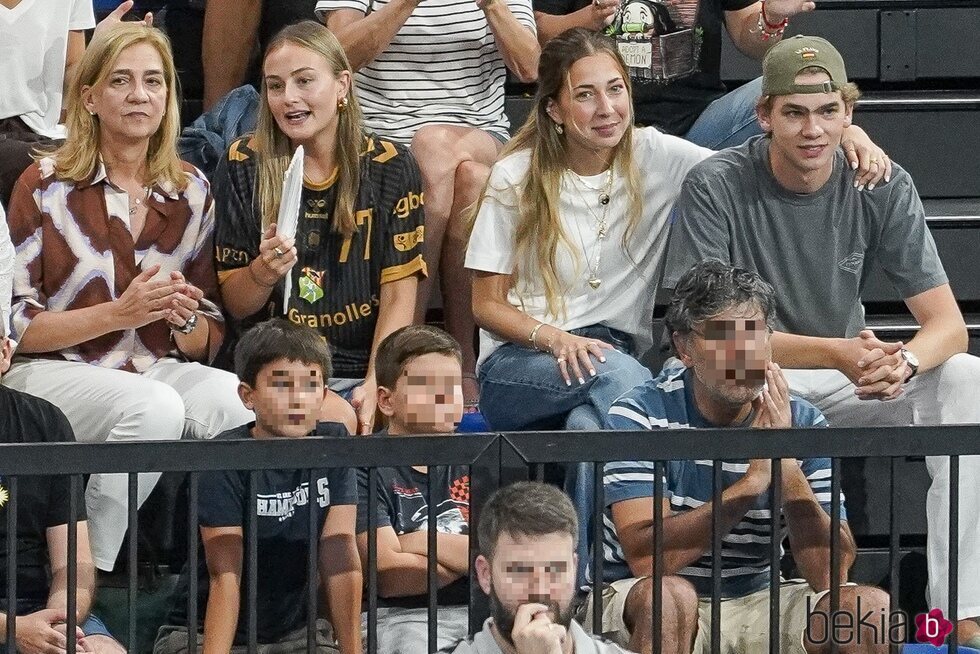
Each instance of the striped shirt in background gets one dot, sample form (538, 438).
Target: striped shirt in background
(74, 249)
(443, 66)
(667, 402)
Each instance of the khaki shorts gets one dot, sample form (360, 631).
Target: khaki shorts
(744, 620)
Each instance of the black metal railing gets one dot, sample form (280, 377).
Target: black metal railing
(494, 460)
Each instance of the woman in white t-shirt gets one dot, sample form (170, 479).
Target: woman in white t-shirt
(567, 244)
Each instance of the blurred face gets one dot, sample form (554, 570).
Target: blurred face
(593, 108)
(132, 100)
(427, 398)
(286, 399)
(529, 569)
(729, 353)
(806, 129)
(303, 92)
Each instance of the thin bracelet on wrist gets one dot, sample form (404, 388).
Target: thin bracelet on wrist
(534, 335)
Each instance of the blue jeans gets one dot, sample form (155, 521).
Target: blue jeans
(522, 389)
(730, 120)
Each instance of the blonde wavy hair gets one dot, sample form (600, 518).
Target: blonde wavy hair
(77, 158)
(539, 230)
(273, 150)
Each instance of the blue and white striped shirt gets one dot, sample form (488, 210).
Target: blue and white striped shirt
(667, 402)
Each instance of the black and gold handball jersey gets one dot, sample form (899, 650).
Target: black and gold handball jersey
(336, 281)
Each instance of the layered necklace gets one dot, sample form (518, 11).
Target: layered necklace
(599, 213)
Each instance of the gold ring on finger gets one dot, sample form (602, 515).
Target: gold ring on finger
(279, 253)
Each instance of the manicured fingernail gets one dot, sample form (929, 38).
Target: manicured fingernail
(888, 178)
(856, 182)
(602, 359)
(854, 165)
(871, 187)
(581, 381)
(592, 372)
(568, 382)
(861, 188)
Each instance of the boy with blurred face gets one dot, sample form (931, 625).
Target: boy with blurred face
(720, 322)
(784, 206)
(420, 392)
(282, 368)
(527, 562)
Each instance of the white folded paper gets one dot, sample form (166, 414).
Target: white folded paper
(292, 192)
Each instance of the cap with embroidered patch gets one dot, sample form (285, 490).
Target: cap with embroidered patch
(786, 59)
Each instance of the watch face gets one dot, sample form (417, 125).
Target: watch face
(910, 358)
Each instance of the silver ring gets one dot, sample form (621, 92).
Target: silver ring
(279, 253)
(560, 359)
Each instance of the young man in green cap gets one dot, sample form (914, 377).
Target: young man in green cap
(783, 206)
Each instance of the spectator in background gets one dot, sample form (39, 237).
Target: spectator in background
(527, 563)
(233, 31)
(114, 283)
(357, 256)
(283, 370)
(567, 243)
(720, 320)
(782, 205)
(42, 534)
(40, 43)
(679, 89)
(420, 392)
(433, 75)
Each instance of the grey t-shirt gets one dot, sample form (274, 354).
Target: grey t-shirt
(815, 249)
(483, 642)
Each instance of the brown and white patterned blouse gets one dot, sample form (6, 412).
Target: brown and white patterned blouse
(74, 249)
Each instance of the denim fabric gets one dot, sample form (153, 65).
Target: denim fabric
(729, 120)
(522, 389)
(205, 141)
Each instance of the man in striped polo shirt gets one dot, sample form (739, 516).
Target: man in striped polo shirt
(720, 319)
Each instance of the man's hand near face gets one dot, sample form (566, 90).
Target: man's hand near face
(772, 407)
(535, 633)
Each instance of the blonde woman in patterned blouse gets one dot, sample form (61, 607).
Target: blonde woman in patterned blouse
(114, 283)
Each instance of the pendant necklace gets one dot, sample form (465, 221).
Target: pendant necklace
(602, 227)
(138, 201)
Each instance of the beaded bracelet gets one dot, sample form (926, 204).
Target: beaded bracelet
(770, 30)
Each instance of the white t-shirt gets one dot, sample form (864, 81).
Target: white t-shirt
(33, 49)
(625, 298)
(443, 66)
(6, 274)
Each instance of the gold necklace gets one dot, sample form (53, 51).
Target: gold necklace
(602, 228)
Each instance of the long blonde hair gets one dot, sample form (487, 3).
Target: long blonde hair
(539, 230)
(78, 157)
(273, 150)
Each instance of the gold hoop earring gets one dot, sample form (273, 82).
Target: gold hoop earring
(342, 103)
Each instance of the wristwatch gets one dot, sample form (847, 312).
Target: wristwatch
(911, 361)
(188, 326)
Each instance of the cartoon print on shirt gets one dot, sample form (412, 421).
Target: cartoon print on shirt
(658, 38)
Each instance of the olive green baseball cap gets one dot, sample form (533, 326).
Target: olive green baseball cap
(786, 59)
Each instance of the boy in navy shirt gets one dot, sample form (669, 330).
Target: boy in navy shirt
(282, 370)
